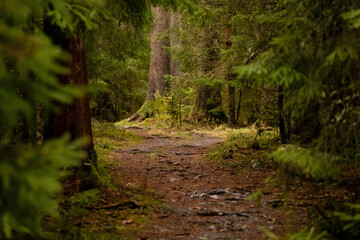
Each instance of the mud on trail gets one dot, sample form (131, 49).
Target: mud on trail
(199, 199)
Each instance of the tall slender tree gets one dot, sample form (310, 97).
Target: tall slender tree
(230, 77)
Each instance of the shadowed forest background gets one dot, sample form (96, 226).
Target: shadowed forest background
(269, 86)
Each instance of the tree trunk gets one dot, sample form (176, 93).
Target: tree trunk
(230, 77)
(207, 98)
(231, 93)
(200, 108)
(159, 64)
(238, 107)
(159, 59)
(281, 115)
(175, 26)
(288, 120)
(72, 118)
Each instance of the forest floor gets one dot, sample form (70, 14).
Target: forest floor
(165, 187)
(199, 200)
(167, 184)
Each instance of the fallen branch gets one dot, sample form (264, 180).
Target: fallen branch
(122, 205)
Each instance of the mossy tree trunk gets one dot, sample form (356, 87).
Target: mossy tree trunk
(159, 59)
(159, 63)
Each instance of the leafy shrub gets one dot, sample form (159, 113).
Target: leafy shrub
(348, 222)
(306, 162)
(304, 234)
(29, 68)
(29, 180)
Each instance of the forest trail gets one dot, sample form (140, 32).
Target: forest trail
(199, 199)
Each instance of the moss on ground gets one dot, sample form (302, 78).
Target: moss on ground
(85, 215)
(107, 138)
(244, 148)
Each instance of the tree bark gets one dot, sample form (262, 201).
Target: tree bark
(175, 26)
(72, 118)
(159, 63)
(159, 59)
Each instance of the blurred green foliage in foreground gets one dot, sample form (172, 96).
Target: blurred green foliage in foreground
(30, 171)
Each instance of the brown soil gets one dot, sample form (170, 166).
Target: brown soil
(200, 200)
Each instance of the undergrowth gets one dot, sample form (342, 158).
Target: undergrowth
(95, 214)
(164, 125)
(333, 213)
(83, 215)
(107, 138)
(244, 148)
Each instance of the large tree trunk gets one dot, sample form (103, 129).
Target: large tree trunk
(72, 118)
(159, 59)
(159, 63)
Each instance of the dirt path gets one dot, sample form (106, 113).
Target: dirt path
(202, 201)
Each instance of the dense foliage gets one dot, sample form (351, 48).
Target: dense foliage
(29, 171)
(296, 66)
(291, 65)
(118, 60)
(30, 65)
(313, 61)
